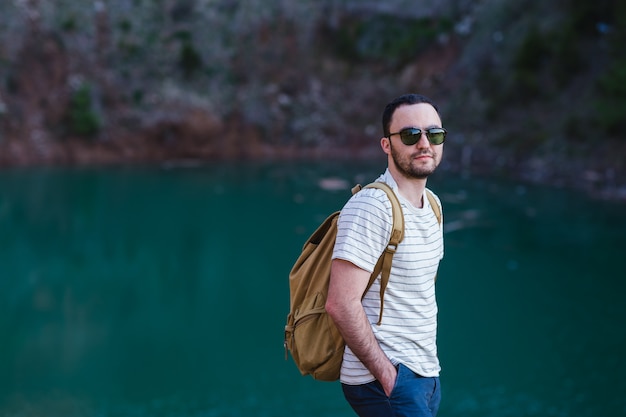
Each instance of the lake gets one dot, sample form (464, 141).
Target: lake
(162, 291)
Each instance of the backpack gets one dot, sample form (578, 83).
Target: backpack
(311, 336)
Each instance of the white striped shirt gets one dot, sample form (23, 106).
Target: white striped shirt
(408, 331)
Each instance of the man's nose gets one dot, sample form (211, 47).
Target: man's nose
(423, 142)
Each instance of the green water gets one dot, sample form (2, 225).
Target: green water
(162, 291)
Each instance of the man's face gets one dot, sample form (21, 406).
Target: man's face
(421, 159)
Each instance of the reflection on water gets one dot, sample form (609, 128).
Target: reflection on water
(163, 292)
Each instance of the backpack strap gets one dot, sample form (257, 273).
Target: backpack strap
(436, 209)
(383, 266)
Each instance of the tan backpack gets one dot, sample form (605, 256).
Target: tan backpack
(310, 334)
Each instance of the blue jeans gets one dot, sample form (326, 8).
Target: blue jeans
(413, 395)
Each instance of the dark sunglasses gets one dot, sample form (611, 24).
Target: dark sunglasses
(412, 135)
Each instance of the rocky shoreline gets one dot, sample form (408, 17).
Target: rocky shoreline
(594, 179)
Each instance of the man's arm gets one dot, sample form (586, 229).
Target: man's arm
(347, 283)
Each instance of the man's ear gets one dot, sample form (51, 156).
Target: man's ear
(385, 145)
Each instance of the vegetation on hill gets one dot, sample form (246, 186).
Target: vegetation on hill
(535, 88)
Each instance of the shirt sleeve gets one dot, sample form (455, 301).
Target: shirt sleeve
(363, 229)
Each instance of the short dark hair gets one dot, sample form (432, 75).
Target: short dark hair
(403, 100)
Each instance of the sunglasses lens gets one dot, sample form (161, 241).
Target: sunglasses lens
(436, 136)
(410, 136)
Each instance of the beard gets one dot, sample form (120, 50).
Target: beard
(411, 168)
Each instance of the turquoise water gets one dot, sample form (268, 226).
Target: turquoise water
(162, 291)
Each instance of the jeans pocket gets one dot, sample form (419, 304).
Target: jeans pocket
(399, 377)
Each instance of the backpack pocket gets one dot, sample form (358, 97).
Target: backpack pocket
(317, 346)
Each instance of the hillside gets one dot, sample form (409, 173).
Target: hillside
(527, 89)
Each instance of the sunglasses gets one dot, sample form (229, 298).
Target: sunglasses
(412, 135)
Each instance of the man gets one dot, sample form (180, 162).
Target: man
(392, 369)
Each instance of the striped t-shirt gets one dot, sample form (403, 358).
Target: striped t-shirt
(409, 327)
